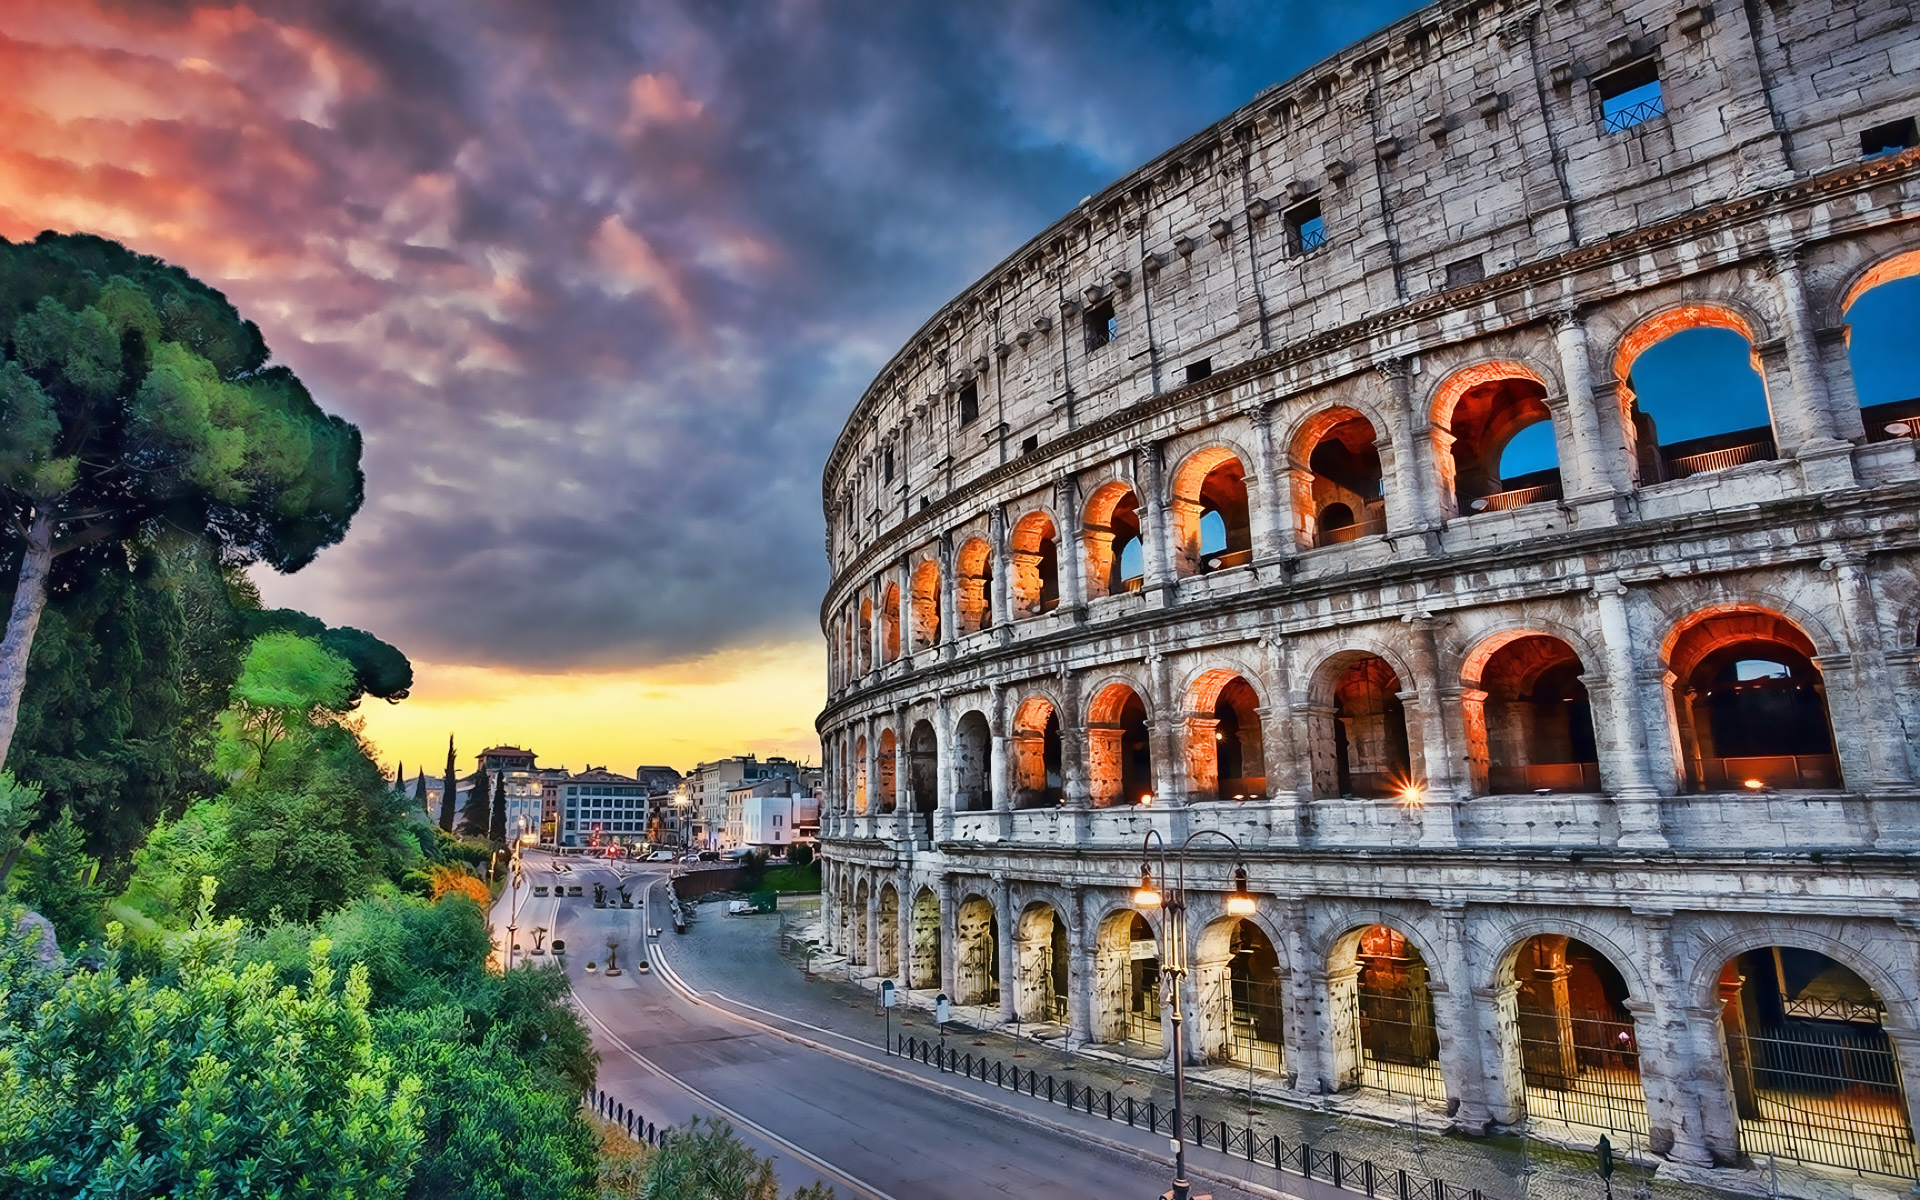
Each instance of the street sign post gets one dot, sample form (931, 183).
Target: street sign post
(942, 1011)
(886, 1002)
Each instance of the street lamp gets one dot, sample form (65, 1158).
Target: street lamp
(1173, 962)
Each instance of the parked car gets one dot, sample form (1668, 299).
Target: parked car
(691, 856)
(660, 856)
(709, 856)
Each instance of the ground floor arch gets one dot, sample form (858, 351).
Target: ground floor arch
(1574, 1037)
(1380, 1009)
(1042, 961)
(1241, 996)
(923, 954)
(976, 941)
(1813, 1075)
(1126, 983)
(857, 943)
(887, 927)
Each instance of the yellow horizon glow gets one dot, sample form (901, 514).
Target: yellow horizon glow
(759, 701)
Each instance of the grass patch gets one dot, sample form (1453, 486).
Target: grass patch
(791, 879)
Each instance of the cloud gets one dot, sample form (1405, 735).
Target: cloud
(600, 282)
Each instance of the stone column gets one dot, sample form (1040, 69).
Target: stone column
(949, 937)
(907, 608)
(1462, 1064)
(1625, 763)
(1881, 741)
(1597, 468)
(1340, 1052)
(998, 765)
(1826, 461)
(1413, 439)
(1275, 499)
(872, 962)
(1069, 553)
(902, 776)
(903, 918)
(1163, 737)
(1689, 1112)
(1156, 553)
(1906, 1058)
(1437, 813)
(1073, 742)
(943, 769)
(1080, 959)
(1499, 1011)
(1004, 920)
(949, 598)
(1280, 742)
(1001, 576)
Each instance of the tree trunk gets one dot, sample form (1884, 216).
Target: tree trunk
(29, 601)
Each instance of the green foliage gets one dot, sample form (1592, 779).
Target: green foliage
(792, 879)
(708, 1161)
(475, 812)
(447, 790)
(497, 815)
(753, 867)
(288, 684)
(799, 854)
(58, 880)
(217, 1082)
(19, 804)
(378, 668)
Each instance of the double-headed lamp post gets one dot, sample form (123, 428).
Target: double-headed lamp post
(1173, 961)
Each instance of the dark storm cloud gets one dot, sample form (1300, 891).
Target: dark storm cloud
(600, 282)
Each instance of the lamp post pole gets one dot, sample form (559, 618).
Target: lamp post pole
(1173, 965)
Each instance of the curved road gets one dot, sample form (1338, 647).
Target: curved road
(820, 1116)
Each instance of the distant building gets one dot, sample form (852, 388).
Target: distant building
(597, 806)
(772, 815)
(709, 783)
(505, 758)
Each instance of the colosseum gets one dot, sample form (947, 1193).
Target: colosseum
(1442, 488)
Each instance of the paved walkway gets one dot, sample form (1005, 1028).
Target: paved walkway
(738, 960)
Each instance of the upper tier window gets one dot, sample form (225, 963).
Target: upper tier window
(1103, 325)
(1630, 96)
(1891, 138)
(1306, 231)
(969, 403)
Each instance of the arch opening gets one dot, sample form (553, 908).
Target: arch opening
(890, 624)
(1574, 1036)
(926, 605)
(1694, 397)
(1126, 983)
(976, 939)
(1115, 564)
(1236, 974)
(1041, 957)
(1880, 329)
(923, 960)
(866, 634)
(1381, 1014)
(1210, 512)
(1036, 758)
(923, 774)
(887, 965)
(1119, 748)
(1751, 705)
(860, 775)
(1813, 1074)
(1337, 490)
(1225, 753)
(973, 584)
(1036, 566)
(1360, 745)
(1533, 730)
(1503, 455)
(888, 783)
(972, 759)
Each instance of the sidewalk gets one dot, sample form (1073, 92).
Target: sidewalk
(739, 960)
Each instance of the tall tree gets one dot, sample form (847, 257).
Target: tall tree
(474, 814)
(400, 777)
(420, 790)
(446, 790)
(134, 398)
(497, 822)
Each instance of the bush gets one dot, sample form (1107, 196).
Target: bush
(799, 855)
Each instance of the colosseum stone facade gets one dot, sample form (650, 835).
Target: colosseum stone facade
(1577, 786)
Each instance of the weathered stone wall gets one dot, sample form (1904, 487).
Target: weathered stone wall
(1468, 137)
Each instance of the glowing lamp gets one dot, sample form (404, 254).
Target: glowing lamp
(1753, 785)
(1146, 895)
(1240, 901)
(1146, 798)
(1412, 795)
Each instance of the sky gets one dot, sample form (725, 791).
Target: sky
(600, 282)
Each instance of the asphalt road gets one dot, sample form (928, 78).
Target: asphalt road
(866, 1132)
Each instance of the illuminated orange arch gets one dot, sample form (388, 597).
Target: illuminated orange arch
(1193, 472)
(1660, 327)
(1204, 695)
(1104, 500)
(1316, 427)
(1032, 715)
(1466, 379)
(1690, 639)
(1474, 666)
(1903, 265)
(1106, 706)
(1031, 530)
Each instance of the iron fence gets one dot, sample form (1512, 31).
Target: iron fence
(1628, 115)
(1822, 1094)
(635, 1126)
(1400, 1050)
(1582, 1069)
(1360, 1175)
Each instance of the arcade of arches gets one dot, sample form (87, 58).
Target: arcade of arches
(1815, 1062)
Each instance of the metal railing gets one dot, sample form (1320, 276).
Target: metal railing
(1822, 1095)
(1629, 115)
(1364, 527)
(1687, 465)
(635, 1126)
(1361, 1175)
(1516, 498)
(1582, 1069)
(1551, 777)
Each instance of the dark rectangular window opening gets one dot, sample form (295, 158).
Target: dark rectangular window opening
(1198, 370)
(1306, 232)
(969, 403)
(1102, 325)
(1464, 272)
(889, 464)
(1030, 443)
(1630, 96)
(1891, 138)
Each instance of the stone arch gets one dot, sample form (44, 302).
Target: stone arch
(1358, 737)
(1126, 980)
(972, 763)
(887, 787)
(1476, 413)
(1035, 550)
(1115, 550)
(860, 774)
(1749, 701)
(1119, 747)
(1038, 770)
(1528, 718)
(1336, 477)
(866, 634)
(926, 605)
(887, 966)
(1210, 512)
(976, 941)
(973, 585)
(1225, 743)
(890, 623)
(1569, 1036)
(1656, 460)
(923, 956)
(1845, 945)
(923, 769)
(857, 948)
(1889, 406)
(1043, 951)
(1239, 980)
(1380, 1012)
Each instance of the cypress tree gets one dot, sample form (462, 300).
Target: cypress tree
(446, 791)
(400, 777)
(420, 790)
(473, 814)
(498, 822)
